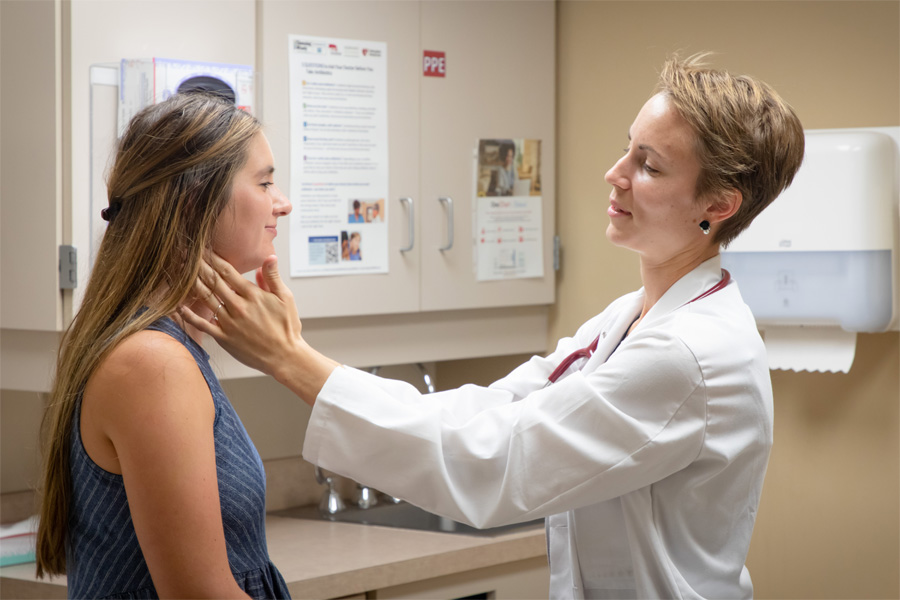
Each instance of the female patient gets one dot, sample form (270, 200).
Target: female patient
(151, 485)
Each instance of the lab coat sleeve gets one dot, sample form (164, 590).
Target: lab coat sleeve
(477, 456)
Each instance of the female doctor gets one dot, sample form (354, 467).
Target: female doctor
(644, 438)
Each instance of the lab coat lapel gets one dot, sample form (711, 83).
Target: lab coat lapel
(702, 278)
(613, 330)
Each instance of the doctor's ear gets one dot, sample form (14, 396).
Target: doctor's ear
(724, 206)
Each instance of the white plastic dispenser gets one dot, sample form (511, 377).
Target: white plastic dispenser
(819, 264)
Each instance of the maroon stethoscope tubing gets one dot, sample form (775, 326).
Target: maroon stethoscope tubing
(588, 351)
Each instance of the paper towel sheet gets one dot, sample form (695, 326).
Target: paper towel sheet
(810, 348)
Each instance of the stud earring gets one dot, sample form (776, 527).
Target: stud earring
(704, 225)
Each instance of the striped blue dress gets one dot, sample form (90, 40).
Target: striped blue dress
(103, 557)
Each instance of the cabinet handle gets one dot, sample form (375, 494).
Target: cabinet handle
(412, 228)
(449, 202)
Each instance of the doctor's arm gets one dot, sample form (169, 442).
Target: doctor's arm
(587, 438)
(258, 325)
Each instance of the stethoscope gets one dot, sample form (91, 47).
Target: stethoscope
(589, 350)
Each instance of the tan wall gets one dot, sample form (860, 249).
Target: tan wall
(828, 522)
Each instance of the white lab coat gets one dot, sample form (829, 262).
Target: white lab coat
(648, 460)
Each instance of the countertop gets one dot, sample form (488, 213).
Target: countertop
(323, 559)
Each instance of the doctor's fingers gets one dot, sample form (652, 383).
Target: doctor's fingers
(215, 299)
(221, 278)
(268, 278)
(220, 270)
(208, 327)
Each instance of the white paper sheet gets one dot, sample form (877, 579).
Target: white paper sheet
(339, 156)
(810, 348)
(508, 238)
(508, 223)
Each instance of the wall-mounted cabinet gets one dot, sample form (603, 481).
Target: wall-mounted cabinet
(429, 306)
(31, 172)
(499, 84)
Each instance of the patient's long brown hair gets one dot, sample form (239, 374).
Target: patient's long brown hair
(171, 178)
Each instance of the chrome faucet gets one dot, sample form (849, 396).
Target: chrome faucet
(331, 502)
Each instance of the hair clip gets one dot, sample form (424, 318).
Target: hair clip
(109, 213)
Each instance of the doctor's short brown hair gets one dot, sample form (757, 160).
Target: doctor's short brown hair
(748, 138)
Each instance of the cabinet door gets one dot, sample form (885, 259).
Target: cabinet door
(31, 215)
(395, 23)
(500, 82)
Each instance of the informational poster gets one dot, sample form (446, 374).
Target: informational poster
(508, 215)
(339, 156)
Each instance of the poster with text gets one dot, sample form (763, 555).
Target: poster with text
(508, 220)
(339, 156)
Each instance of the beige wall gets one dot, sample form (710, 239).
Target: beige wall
(828, 522)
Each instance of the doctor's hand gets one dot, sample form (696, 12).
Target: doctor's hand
(259, 325)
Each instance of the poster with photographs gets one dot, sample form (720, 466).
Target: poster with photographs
(339, 156)
(508, 214)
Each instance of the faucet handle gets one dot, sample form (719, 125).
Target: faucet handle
(331, 501)
(320, 477)
(365, 496)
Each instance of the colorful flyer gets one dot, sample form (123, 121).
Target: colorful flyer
(508, 215)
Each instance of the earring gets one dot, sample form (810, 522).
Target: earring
(704, 225)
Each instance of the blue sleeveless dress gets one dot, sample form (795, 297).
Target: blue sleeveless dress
(103, 557)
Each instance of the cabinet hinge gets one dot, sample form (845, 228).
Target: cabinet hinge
(556, 253)
(68, 267)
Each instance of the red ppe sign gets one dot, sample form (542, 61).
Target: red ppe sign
(434, 64)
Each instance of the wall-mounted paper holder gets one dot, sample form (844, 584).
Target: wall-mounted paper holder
(824, 255)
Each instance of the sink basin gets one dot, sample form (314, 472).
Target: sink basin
(403, 515)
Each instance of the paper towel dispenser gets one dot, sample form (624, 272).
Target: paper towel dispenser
(825, 252)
